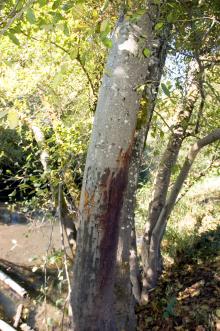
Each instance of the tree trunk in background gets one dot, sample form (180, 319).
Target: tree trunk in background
(151, 258)
(105, 179)
(160, 227)
(194, 150)
(127, 287)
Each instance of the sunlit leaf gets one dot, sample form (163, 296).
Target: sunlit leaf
(165, 90)
(107, 42)
(104, 25)
(13, 119)
(147, 52)
(73, 54)
(14, 39)
(159, 26)
(30, 16)
(42, 2)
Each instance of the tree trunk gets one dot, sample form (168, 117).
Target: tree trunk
(159, 228)
(151, 259)
(128, 287)
(105, 178)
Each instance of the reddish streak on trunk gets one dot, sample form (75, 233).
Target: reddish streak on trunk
(114, 185)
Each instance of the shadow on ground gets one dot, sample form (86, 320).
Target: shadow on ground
(188, 293)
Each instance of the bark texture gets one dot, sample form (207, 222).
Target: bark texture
(159, 228)
(150, 251)
(105, 179)
(128, 286)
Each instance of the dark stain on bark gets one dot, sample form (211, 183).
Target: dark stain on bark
(113, 185)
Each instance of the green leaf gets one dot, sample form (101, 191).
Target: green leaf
(42, 2)
(56, 4)
(107, 42)
(147, 52)
(73, 54)
(47, 27)
(165, 89)
(14, 39)
(105, 6)
(30, 16)
(64, 68)
(57, 16)
(159, 26)
(13, 119)
(172, 17)
(105, 26)
(66, 30)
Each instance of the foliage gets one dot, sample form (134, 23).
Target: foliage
(52, 59)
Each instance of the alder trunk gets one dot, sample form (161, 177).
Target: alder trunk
(150, 250)
(105, 179)
(128, 284)
(160, 227)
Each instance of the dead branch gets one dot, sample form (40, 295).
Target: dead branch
(18, 315)
(5, 326)
(13, 285)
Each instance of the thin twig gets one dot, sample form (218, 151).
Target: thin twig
(16, 16)
(78, 59)
(63, 248)
(200, 175)
(45, 275)
(165, 122)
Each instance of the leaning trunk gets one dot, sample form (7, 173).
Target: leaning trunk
(128, 289)
(105, 179)
(159, 229)
(151, 259)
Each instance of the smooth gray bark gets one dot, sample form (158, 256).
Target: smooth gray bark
(127, 250)
(160, 227)
(151, 260)
(105, 179)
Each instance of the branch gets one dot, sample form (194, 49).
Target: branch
(13, 285)
(5, 326)
(167, 209)
(16, 16)
(78, 59)
(209, 139)
(198, 177)
(165, 122)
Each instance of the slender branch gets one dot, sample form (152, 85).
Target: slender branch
(165, 122)
(78, 59)
(61, 224)
(198, 177)
(11, 13)
(15, 17)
